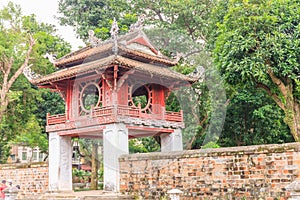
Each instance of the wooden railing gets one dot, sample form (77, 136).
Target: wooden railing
(56, 119)
(174, 116)
(104, 111)
(121, 111)
(128, 111)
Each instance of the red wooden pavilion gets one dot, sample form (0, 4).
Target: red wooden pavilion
(115, 90)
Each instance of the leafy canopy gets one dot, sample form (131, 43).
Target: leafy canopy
(23, 106)
(95, 15)
(257, 43)
(255, 36)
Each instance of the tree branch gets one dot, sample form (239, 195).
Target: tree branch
(26, 61)
(278, 82)
(191, 53)
(159, 15)
(273, 95)
(2, 64)
(4, 88)
(190, 144)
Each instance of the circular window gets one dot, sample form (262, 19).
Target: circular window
(90, 96)
(140, 95)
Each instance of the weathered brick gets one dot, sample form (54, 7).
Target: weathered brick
(251, 172)
(33, 179)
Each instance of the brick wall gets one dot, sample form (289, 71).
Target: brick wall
(253, 172)
(33, 179)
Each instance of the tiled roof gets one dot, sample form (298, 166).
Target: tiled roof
(104, 63)
(153, 69)
(73, 71)
(82, 54)
(124, 44)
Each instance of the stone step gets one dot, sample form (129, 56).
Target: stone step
(86, 195)
(104, 197)
(59, 197)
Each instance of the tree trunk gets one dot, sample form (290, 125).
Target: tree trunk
(297, 116)
(292, 113)
(7, 82)
(288, 104)
(94, 176)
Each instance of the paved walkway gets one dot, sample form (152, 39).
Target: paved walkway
(97, 193)
(82, 195)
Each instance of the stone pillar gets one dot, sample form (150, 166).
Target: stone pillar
(115, 143)
(171, 142)
(60, 163)
(294, 189)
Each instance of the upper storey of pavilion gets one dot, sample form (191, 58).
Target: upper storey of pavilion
(123, 79)
(132, 50)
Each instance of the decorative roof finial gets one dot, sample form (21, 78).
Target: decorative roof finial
(94, 41)
(114, 33)
(138, 25)
(114, 29)
(29, 74)
(51, 57)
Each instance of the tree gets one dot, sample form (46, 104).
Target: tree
(257, 43)
(176, 26)
(95, 15)
(253, 118)
(31, 136)
(89, 149)
(15, 50)
(188, 17)
(23, 42)
(182, 27)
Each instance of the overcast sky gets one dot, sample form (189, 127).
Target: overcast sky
(45, 11)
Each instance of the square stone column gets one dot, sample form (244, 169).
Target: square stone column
(171, 141)
(115, 143)
(60, 163)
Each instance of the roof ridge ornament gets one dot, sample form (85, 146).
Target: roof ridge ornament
(51, 57)
(178, 56)
(138, 25)
(29, 74)
(94, 41)
(114, 33)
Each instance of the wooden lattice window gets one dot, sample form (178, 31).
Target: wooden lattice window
(90, 95)
(140, 94)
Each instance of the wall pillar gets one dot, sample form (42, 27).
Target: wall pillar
(294, 189)
(60, 163)
(115, 143)
(171, 142)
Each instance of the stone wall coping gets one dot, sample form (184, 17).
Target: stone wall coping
(23, 165)
(242, 150)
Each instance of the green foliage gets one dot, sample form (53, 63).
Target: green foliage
(81, 175)
(257, 44)
(31, 136)
(48, 102)
(188, 17)
(256, 36)
(86, 148)
(96, 15)
(211, 145)
(6, 134)
(24, 118)
(101, 174)
(246, 37)
(253, 118)
(143, 145)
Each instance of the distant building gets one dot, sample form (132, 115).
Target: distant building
(21, 154)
